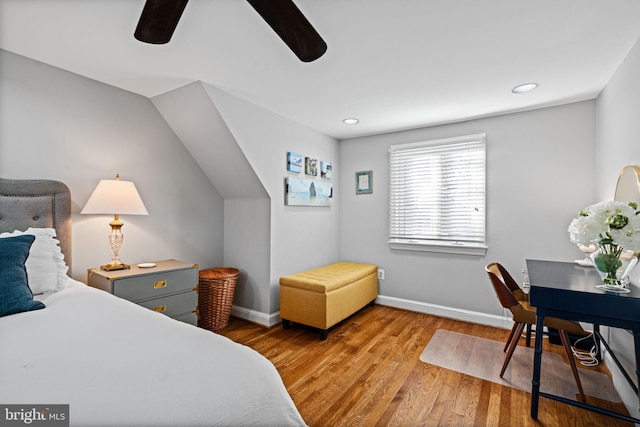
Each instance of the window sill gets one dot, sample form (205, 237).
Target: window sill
(440, 247)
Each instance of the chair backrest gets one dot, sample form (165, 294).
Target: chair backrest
(503, 292)
(506, 278)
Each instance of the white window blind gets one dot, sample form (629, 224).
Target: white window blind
(437, 195)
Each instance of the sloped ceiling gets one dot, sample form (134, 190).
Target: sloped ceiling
(194, 118)
(393, 64)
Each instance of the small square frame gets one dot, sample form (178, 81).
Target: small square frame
(364, 182)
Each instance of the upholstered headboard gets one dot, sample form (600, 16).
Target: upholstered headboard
(37, 203)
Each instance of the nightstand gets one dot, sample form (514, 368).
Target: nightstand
(169, 288)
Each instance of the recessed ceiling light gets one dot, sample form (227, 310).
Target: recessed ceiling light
(351, 121)
(524, 88)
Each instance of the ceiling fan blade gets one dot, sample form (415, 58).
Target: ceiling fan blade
(158, 20)
(292, 27)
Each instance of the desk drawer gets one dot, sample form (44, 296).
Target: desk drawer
(155, 285)
(174, 305)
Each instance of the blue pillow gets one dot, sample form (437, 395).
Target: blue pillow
(15, 295)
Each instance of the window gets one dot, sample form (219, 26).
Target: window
(437, 195)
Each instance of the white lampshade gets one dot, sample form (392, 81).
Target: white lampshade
(115, 197)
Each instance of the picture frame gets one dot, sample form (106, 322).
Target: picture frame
(294, 162)
(307, 192)
(326, 169)
(310, 166)
(364, 182)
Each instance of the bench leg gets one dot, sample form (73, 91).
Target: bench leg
(323, 334)
(286, 324)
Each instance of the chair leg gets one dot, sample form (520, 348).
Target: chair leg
(513, 331)
(567, 347)
(529, 326)
(512, 347)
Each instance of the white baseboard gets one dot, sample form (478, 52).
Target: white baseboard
(272, 319)
(254, 316)
(449, 312)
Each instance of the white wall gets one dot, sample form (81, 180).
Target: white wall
(301, 237)
(194, 117)
(618, 129)
(58, 125)
(247, 242)
(539, 176)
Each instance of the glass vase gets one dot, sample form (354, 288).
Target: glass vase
(613, 269)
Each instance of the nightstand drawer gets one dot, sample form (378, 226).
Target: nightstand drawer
(155, 285)
(174, 305)
(190, 318)
(169, 287)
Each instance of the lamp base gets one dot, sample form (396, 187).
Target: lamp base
(112, 267)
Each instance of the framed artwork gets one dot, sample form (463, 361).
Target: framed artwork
(307, 192)
(325, 170)
(294, 162)
(364, 183)
(310, 166)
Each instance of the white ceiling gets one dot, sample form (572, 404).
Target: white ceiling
(394, 64)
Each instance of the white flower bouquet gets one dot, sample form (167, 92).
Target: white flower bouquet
(614, 227)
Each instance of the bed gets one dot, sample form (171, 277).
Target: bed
(113, 362)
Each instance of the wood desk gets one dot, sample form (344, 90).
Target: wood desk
(568, 291)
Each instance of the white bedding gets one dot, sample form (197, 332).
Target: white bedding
(118, 364)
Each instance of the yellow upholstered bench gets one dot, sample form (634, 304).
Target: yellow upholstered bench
(324, 296)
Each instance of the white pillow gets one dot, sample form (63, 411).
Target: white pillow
(46, 269)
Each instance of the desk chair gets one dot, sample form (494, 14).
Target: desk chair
(523, 314)
(520, 295)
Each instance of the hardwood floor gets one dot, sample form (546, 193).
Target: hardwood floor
(368, 373)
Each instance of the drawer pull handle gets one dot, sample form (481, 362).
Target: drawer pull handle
(159, 285)
(160, 308)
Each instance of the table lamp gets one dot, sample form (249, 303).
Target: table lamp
(115, 197)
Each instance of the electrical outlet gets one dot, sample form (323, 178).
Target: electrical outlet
(525, 282)
(380, 274)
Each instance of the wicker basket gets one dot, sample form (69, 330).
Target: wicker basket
(215, 297)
